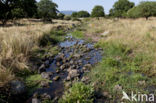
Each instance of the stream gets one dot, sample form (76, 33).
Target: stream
(75, 58)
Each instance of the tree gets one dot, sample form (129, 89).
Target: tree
(10, 9)
(74, 15)
(147, 9)
(120, 8)
(47, 9)
(98, 11)
(61, 16)
(144, 9)
(83, 14)
(29, 7)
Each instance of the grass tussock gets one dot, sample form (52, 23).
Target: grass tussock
(17, 41)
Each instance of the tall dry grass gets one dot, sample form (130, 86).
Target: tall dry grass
(17, 41)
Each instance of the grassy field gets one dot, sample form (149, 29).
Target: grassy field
(129, 61)
(129, 54)
(19, 39)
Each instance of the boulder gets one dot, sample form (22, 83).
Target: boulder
(44, 84)
(41, 69)
(35, 100)
(56, 78)
(45, 75)
(17, 87)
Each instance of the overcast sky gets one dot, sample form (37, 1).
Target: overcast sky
(77, 5)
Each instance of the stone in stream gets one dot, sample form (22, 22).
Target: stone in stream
(62, 67)
(72, 74)
(35, 100)
(45, 96)
(45, 75)
(56, 78)
(41, 69)
(44, 84)
(17, 87)
(47, 63)
(58, 64)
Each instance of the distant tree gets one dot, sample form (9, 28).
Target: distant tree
(144, 9)
(74, 15)
(61, 16)
(147, 9)
(83, 14)
(47, 9)
(10, 9)
(120, 8)
(29, 7)
(98, 11)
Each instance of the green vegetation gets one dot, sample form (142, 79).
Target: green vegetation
(47, 9)
(80, 14)
(120, 8)
(144, 9)
(78, 93)
(32, 82)
(77, 34)
(51, 38)
(10, 9)
(98, 11)
(119, 68)
(61, 16)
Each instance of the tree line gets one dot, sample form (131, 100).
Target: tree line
(47, 9)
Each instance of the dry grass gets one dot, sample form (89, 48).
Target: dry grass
(18, 40)
(137, 34)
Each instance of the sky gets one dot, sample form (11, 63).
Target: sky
(77, 5)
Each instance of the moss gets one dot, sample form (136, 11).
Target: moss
(32, 82)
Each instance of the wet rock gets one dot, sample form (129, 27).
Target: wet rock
(85, 79)
(56, 78)
(58, 64)
(72, 74)
(45, 75)
(44, 84)
(35, 100)
(47, 63)
(88, 66)
(35, 95)
(45, 96)
(62, 67)
(17, 87)
(77, 55)
(71, 62)
(41, 69)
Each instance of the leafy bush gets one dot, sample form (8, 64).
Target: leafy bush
(67, 17)
(120, 8)
(144, 9)
(61, 16)
(98, 11)
(78, 93)
(47, 9)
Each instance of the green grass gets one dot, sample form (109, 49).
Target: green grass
(78, 93)
(32, 82)
(78, 34)
(53, 37)
(118, 67)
